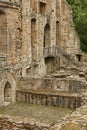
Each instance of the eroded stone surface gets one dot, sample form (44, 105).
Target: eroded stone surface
(40, 54)
(77, 120)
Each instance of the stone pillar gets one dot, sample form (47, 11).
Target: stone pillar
(26, 32)
(53, 23)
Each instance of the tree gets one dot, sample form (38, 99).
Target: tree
(79, 8)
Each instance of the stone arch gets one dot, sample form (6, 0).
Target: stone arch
(7, 83)
(3, 32)
(33, 38)
(8, 92)
(57, 33)
(47, 41)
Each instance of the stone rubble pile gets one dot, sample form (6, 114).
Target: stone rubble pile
(76, 121)
(17, 123)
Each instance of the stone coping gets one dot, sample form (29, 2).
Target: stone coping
(52, 93)
(8, 5)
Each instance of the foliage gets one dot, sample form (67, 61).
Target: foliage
(79, 8)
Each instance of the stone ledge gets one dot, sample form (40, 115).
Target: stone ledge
(8, 5)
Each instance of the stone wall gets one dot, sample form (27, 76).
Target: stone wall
(10, 33)
(61, 33)
(70, 40)
(31, 30)
(58, 83)
(27, 40)
(28, 29)
(40, 98)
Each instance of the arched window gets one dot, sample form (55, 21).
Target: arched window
(8, 92)
(47, 36)
(33, 5)
(33, 39)
(57, 33)
(3, 33)
(42, 7)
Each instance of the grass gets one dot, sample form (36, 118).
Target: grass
(45, 114)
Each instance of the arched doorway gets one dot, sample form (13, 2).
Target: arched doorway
(8, 92)
(3, 33)
(50, 64)
(47, 36)
(49, 60)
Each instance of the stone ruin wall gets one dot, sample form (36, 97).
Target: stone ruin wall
(25, 34)
(23, 55)
(49, 99)
(37, 19)
(70, 40)
(10, 57)
(51, 91)
(51, 84)
(26, 25)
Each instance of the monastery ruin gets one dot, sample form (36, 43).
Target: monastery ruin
(40, 57)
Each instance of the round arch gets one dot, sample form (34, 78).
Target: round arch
(8, 89)
(8, 92)
(57, 33)
(47, 41)
(33, 38)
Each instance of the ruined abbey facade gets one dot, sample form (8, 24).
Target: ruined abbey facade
(39, 49)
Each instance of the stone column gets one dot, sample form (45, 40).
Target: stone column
(53, 23)
(26, 32)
